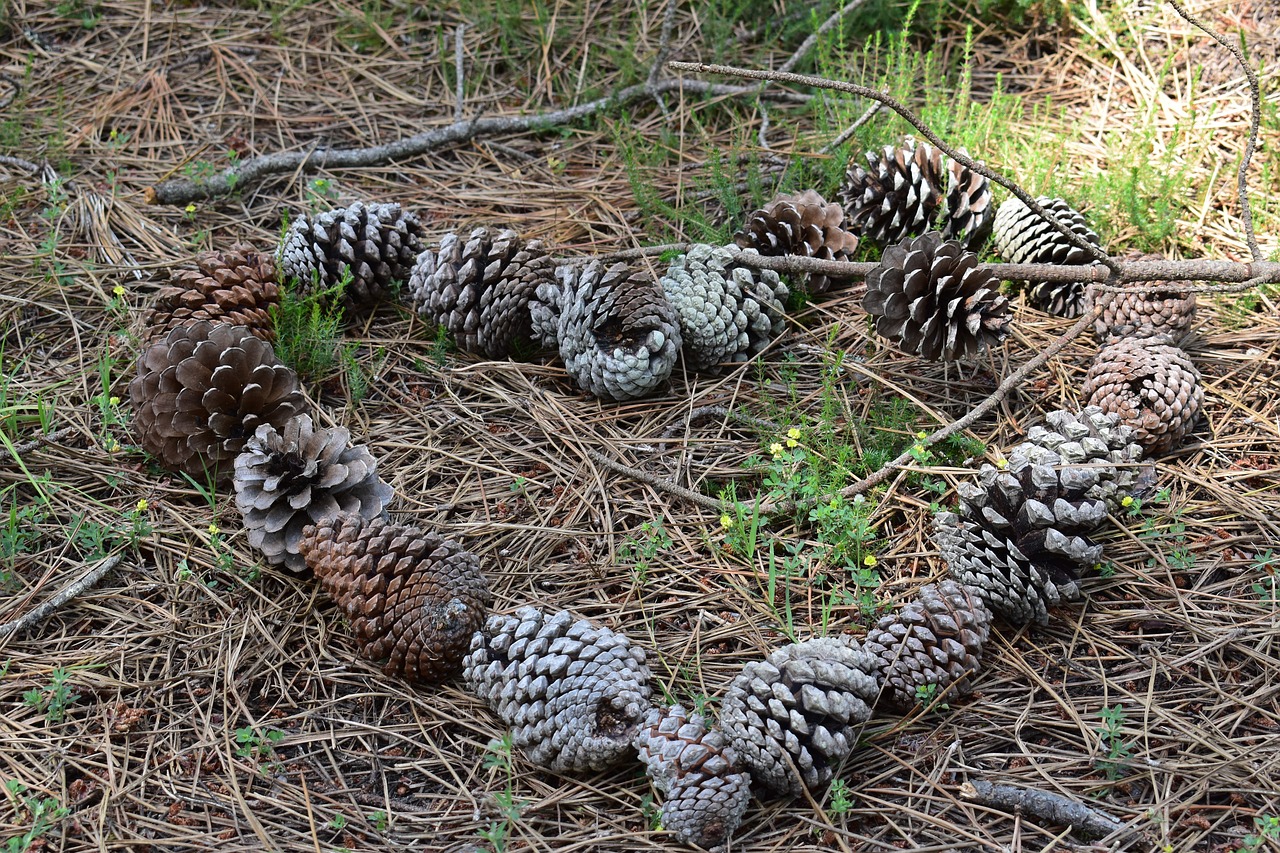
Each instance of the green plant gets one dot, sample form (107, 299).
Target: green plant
(380, 820)
(52, 699)
(308, 324)
(927, 696)
(498, 758)
(258, 747)
(841, 797)
(640, 549)
(1119, 750)
(1265, 828)
(320, 194)
(1171, 529)
(338, 822)
(1267, 586)
(41, 815)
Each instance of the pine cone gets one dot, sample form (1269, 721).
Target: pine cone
(1149, 308)
(203, 390)
(1022, 237)
(237, 286)
(299, 475)
(936, 639)
(574, 694)
(617, 334)
(804, 224)
(1091, 438)
(728, 312)
(1152, 385)
(794, 716)
(898, 196)
(479, 289)
(932, 299)
(414, 598)
(377, 242)
(706, 796)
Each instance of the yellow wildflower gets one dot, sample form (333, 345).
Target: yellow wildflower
(114, 401)
(1127, 500)
(726, 521)
(118, 290)
(214, 530)
(870, 561)
(776, 448)
(793, 433)
(142, 505)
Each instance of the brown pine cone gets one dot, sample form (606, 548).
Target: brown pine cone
(237, 286)
(805, 224)
(203, 390)
(1152, 385)
(414, 598)
(1146, 308)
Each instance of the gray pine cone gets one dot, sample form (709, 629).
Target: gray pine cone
(574, 694)
(616, 332)
(935, 640)
(1152, 385)
(377, 242)
(706, 795)
(930, 297)
(728, 312)
(301, 475)
(479, 287)
(1022, 237)
(795, 715)
(805, 224)
(1091, 438)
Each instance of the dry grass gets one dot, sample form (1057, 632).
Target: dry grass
(173, 654)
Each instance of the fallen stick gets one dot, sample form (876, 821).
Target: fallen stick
(38, 613)
(1049, 807)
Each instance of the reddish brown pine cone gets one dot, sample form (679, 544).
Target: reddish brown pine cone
(1152, 385)
(237, 286)
(1145, 308)
(414, 598)
(805, 224)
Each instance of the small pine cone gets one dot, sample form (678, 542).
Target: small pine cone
(1152, 385)
(299, 475)
(898, 196)
(706, 795)
(1149, 308)
(805, 224)
(203, 390)
(930, 297)
(1022, 237)
(377, 242)
(794, 716)
(1091, 438)
(617, 334)
(728, 312)
(479, 287)
(574, 694)
(936, 639)
(237, 286)
(414, 598)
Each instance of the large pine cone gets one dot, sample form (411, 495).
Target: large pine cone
(237, 286)
(1022, 237)
(898, 195)
(728, 312)
(377, 242)
(795, 715)
(1146, 308)
(287, 479)
(930, 297)
(479, 287)
(414, 598)
(1152, 385)
(706, 795)
(935, 640)
(1092, 438)
(805, 224)
(617, 334)
(573, 693)
(203, 390)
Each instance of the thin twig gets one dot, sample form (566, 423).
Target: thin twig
(664, 50)
(38, 614)
(1052, 808)
(656, 482)
(41, 440)
(1255, 112)
(457, 70)
(808, 44)
(15, 88)
(849, 131)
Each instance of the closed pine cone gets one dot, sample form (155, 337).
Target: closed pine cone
(801, 707)
(1091, 438)
(237, 286)
(1145, 308)
(706, 794)
(1022, 237)
(1152, 385)
(203, 390)
(414, 598)
(935, 640)
(805, 224)
(289, 478)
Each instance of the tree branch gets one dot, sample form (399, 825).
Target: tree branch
(458, 71)
(1045, 805)
(40, 612)
(656, 482)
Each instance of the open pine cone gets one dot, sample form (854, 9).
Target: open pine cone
(930, 297)
(1091, 438)
(1022, 237)
(935, 640)
(479, 287)
(617, 334)
(1152, 385)
(805, 224)
(377, 242)
(1146, 308)
(728, 312)
(203, 390)
(414, 598)
(574, 694)
(706, 795)
(289, 478)
(795, 715)
(237, 286)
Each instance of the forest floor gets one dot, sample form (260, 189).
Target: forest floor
(194, 699)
